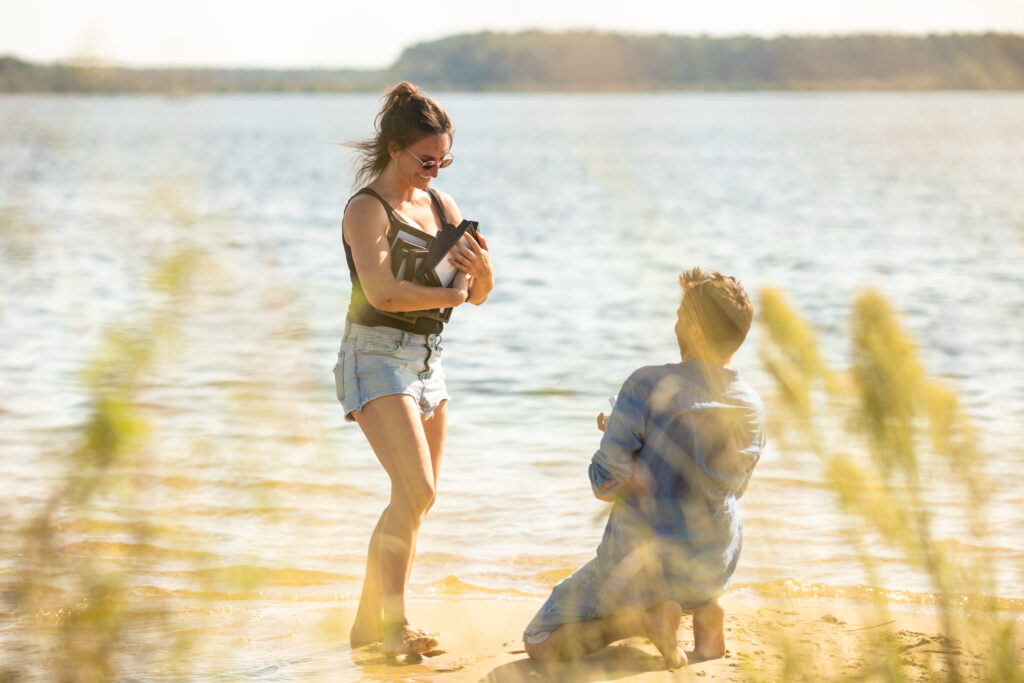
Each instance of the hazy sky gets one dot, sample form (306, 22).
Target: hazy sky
(371, 33)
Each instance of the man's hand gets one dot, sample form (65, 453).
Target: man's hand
(640, 483)
(602, 421)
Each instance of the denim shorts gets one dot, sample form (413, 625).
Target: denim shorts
(381, 361)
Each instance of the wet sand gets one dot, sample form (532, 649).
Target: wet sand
(481, 640)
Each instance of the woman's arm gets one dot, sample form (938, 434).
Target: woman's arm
(474, 259)
(365, 228)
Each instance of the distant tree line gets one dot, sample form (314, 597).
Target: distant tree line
(591, 61)
(17, 76)
(602, 61)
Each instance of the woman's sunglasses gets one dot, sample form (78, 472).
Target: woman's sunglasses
(445, 161)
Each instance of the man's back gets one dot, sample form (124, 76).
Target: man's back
(694, 431)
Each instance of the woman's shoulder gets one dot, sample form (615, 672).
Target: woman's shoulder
(364, 210)
(441, 194)
(365, 202)
(451, 210)
(365, 196)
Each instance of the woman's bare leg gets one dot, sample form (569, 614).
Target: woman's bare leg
(395, 431)
(367, 627)
(434, 428)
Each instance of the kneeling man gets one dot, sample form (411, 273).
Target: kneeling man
(678, 450)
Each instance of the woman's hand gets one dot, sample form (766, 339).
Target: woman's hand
(602, 421)
(472, 257)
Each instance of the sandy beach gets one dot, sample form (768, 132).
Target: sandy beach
(480, 640)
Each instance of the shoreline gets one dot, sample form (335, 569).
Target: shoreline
(480, 639)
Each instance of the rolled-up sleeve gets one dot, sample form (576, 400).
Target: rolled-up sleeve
(612, 464)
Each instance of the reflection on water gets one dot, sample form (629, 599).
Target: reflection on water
(248, 492)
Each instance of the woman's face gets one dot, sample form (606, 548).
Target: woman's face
(409, 161)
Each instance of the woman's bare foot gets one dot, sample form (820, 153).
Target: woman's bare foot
(662, 623)
(709, 631)
(365, 632)
(369, 628)
(406, 640)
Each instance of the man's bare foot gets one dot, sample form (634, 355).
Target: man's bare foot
(662, 623)
(709, 631)
(406, 640)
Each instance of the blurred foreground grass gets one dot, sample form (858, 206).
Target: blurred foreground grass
(84, 610)
(888, 437)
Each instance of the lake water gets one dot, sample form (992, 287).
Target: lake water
(248, 487)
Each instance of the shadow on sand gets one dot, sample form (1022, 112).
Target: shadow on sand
(616, 661)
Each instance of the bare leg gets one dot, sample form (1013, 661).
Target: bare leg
(434, 429)
(709, 631)
(394, 429)
(571, 641)
(367, 627)
(580, 638)
(662, 623)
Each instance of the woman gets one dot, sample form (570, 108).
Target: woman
(389, 375)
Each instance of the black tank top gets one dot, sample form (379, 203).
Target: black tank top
(359, 309)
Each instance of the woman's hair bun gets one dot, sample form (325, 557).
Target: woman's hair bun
(399, 95)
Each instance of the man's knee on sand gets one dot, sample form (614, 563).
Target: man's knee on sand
(541, 651)
(568, 641)
(555, 648)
